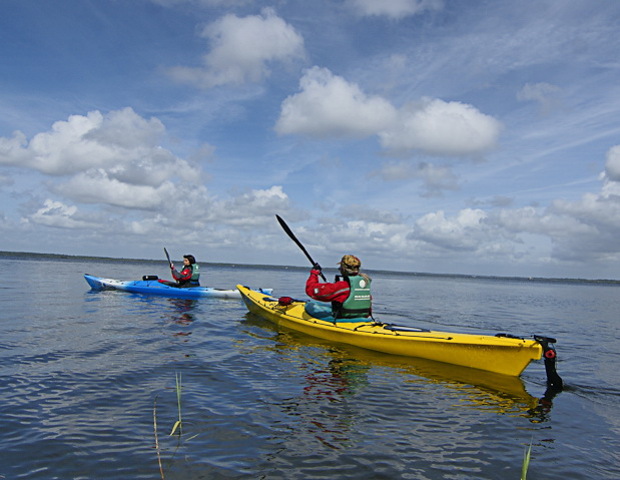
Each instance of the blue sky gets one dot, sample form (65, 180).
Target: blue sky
(443, 136)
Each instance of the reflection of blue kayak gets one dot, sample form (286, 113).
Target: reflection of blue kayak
(150, 285)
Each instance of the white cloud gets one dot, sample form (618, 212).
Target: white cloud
(394, 8)
(612, 164)
(581, 231)
(252, 208)
(466, 231)
(442, 128)
(60, 215)
(370, 235)
(113, 162)
(585, 230)
(329, 106)
(124, 129)
(243, 50)
(113, 159)
(12, 149)
(118, 142)
(196, 217)
(200, 220)
(598, 212)
(360, 230)
(538, 221)
(96, 186)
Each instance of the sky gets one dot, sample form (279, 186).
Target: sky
(438, 136)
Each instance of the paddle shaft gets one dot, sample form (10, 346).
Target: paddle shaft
(292, 236)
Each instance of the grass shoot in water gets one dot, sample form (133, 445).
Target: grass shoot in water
(178, 423)
(526, 462)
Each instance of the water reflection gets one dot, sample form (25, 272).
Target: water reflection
(326, 407)
(342, 377)
(182, 310)
(181, 313)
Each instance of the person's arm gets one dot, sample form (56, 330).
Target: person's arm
(326, 292)
(185, 274)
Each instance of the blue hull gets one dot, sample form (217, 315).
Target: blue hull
(155, 287)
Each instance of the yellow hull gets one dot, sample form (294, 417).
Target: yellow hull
(507, 356)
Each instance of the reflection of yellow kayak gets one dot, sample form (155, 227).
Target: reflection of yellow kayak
(481, 389)
(498, 354)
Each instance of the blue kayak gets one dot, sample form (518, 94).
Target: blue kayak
(150, 285)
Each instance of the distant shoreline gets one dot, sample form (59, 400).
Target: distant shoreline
(60, 256)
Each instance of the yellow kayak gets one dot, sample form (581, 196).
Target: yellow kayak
(505, 355)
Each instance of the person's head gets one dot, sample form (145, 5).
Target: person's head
(350, 265)
(190, 259)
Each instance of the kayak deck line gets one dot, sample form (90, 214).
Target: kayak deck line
(390, 331)
(503, 353)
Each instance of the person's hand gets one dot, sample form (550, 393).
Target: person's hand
(172, 266)
(316, 267)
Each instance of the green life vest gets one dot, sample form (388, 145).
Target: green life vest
(195, 275)
(358, 303)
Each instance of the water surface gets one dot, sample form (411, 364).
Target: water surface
(87, 382)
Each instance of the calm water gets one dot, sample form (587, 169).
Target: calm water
(87, 383)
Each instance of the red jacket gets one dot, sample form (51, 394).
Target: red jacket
(184, 276)
(326, 292)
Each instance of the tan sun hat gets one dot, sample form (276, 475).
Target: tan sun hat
(351, 262)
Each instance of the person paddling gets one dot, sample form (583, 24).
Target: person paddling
(189, 275)
(350, 293)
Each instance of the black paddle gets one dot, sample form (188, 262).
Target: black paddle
(290, 233)
(168, 257)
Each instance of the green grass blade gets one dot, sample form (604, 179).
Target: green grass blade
(178, 379)
(176, 425)
(526, 462)
(179, 423)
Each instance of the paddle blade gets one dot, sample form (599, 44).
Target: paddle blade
(286, 228)
(292, 236)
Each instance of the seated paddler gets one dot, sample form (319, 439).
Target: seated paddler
(349, 295)
(189, 275)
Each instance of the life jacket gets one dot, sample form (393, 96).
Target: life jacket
(193, 281)
(358, 303)
(195, 275)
